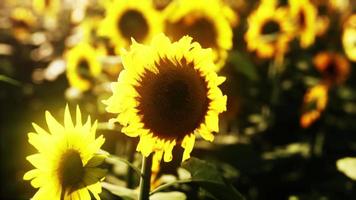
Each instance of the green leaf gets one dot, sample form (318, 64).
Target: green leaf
(243, 65)
(209, 178)
(167, 185)
(115, 160)
(9, 80)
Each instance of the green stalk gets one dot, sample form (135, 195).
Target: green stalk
(145, 180)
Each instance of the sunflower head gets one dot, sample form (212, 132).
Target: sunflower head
(349, 37)
(304, 14)
(166, 94)
(83, 66)
(203, 20)
(126, 19)
(334, 67)
(315, 101)
(269, 30)
(67, 162)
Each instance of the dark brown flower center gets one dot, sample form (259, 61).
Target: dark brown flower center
(271, 27)
(47, 3)
(71, 170)
(282, 3)
(172, 102)
(161, 4)
(133, 24)
(310, 106)
(302, 20)
(83, 69)
(331, 69)
(201, 29)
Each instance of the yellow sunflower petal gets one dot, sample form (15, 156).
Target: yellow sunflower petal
(205, 133)
(53, 125)
(84, 193)
(68, 123)
(168, 147)
(31, 174)
(188, 144)
(145, 145)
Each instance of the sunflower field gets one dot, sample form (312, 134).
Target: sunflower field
(178, 99)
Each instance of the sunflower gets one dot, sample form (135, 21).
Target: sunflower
(166, 94)
(88, 29)
(88, 32)
(67, 163)
(23, 20)
(46, 7)
(304, 15)
(269, 30)
(205, 21)
(315, 101)
(126, 19)
(334, 67)
(82, 66)
(349, 38)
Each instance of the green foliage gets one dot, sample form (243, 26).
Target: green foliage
(207, 176)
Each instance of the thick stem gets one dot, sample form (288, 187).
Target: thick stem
(130, 170)
(146, 178)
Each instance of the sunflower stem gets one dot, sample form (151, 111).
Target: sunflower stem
(145, 180)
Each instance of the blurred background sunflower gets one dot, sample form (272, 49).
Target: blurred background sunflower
(206, 22)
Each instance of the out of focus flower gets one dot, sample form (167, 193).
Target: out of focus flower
(205, 22)
(304, 15)
(126, 19)
(349, 37)
(322, 25)
(230, 14)
(88, 29)
(323, 16)
(67, 162)
(23, 20)
(238, 6)
(347, 166)
(334, 67)
(340, 5)
(315, 101)
(47, 8)
(78, 9)
(269, 30)
(166, 94)
(82, 66)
